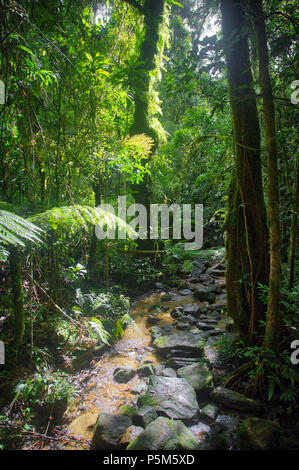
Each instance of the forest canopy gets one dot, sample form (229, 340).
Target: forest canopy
(152, 102)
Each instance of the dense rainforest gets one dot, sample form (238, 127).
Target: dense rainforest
(149, 197)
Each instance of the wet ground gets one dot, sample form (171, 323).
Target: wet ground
(100, 393)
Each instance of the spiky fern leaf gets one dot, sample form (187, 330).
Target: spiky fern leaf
(73, 218)
(13, 229)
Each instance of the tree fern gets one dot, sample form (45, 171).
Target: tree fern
(73, 218)
(13, 229)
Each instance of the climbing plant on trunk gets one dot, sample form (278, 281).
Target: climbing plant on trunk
(273, 315)
(247, 236)
(152, 11)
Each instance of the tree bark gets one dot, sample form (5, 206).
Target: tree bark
(18, 297)
(247, 236)
(294, 228)
(273, 315)
(152, 11)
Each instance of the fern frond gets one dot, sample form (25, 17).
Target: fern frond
(76, 217)
(140, 143)
(13, 229)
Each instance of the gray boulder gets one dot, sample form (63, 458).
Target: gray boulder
(129, 435)
(164, 434)
(185, 292)
(205, 295)
(124, 374)
(145, 370)
(144, 416)
(175, 398)
(208, 413)
(108, 431)
(234, 400)
(258, 434)
(168, 372)
(180, 344)
(198, 376)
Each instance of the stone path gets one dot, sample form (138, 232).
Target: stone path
(172, 396)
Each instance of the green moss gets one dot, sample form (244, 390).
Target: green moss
(127, 410)
(147, 399)
(183, 437)
(160, 342)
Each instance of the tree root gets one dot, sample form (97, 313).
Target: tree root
(238, 375)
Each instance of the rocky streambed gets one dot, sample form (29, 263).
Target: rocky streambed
(161, 388)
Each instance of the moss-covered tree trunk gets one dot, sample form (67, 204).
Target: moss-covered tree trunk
(247, 236)
(18, 297)
(152, 11)
(294, 236)
(272, 332)
(97, 187)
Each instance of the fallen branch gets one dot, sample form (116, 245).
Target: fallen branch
(42, 436)
(142, 252)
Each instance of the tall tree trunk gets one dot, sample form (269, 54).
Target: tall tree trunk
(294, 227)
(97, 187)
(18, 297)
(273, 315)
(152, 11)
(247, 237)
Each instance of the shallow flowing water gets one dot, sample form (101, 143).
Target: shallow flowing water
(101, 393)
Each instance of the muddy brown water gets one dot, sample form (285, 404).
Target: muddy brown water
(102, 393)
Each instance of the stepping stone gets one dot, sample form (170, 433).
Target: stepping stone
(215, 332)
(168, 372)
(158, 369)
(164, 434)
(234, 400)
(144, 416)
(198, 376)
(177, 312)
(154, 307)
(124, 374)
(180, 344)
(139, 388)
(178, 362)
(182, 326)
(108, 430)
(175, 397)
(185, 292)
(131, 433)
(209, 413)
(203, 326)
(204, 295)
(190, 309)
(145, 370)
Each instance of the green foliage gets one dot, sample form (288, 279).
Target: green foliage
(73, 218)
(45, 387)
(108, 313)
(272, 375)
(13, 228)
(73, 273)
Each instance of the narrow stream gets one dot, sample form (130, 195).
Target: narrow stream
(101, 392)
